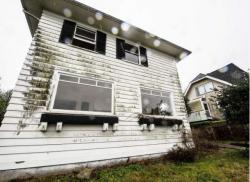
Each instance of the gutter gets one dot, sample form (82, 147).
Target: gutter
(28, 13)
(27, 16)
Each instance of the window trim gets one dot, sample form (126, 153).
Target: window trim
(83, 39)
(86, 27)
(171, 101)
(54, 91)
(139, 53)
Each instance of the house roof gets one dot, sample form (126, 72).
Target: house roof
(201, 75)
(81, 13)
(229, 75)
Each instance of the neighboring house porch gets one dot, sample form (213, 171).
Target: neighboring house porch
(199, 110)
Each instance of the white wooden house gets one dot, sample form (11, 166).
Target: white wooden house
(92, 90)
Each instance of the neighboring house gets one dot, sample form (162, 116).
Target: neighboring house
(90, 92)
(201, 92)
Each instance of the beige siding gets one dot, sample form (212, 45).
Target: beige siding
(191, 95)
(213, 107)
(32, 148)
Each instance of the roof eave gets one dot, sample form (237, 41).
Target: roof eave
(28, 19)
(166, 47)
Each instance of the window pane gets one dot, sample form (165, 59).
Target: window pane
(151, 103)
(65, 104)
(144, 91)
(205, 106)
(131, 48)
(104, 84)
(87, 81)
(156, 93)
(201, 90)
(209, 87)
(165, 94)
(83, 44)
(68, 78)
(132, 57)
(81, 32)
(72, 96)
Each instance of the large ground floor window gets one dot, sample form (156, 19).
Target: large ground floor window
(81, 94)
(156, 102)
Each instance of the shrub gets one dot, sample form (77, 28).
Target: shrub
(4, 101)
(234, 101)
(245, 152)
(206, 146)
(182, 154)
(221, 132)
(202, 142)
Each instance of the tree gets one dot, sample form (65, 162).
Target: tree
(4, 101)
(188, 109)
(234, 102)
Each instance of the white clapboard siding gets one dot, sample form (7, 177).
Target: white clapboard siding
(11, 142)
(69, 157)
(86, 146)
(24, 146)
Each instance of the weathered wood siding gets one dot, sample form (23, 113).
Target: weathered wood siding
(33, 148)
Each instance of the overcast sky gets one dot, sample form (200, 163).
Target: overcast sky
(216, 31)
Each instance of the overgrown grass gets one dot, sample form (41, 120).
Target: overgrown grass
(224, 165)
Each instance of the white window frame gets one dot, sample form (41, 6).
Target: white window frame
(87, 28)
(83, 39)
(54, 91)
(171, 102)
(210, 89)
(204, 87)
(139, 53)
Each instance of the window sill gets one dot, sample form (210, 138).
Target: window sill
(162, 116)
(127, 61)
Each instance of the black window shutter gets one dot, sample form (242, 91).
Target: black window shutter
(101, 42)
(120, 51)
(67, 32)
(143, 56)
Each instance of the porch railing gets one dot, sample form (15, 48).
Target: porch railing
(199, 116)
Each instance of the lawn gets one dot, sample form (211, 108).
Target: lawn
(224, 165)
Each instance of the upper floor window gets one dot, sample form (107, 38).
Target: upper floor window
(131, 52)
(156, 102)
(83, 37)
(83, 94)
(205, 88)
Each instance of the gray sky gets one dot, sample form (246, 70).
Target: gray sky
(216, 31)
